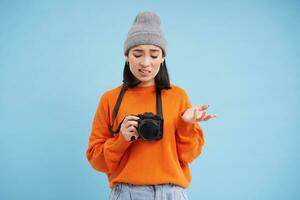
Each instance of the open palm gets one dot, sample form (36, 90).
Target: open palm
(197, 114)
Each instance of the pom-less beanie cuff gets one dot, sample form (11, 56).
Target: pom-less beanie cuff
(145, 38)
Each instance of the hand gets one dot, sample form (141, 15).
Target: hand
(128, 128)
(197, 114)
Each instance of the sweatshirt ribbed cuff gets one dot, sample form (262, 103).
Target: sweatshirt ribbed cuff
(185, 128)
(120, 144)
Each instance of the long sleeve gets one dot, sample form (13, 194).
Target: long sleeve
(104, 151)
(189, 137)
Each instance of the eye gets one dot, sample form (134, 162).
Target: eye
(154, 57)
(137, 56)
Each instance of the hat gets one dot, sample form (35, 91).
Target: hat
(145, 30)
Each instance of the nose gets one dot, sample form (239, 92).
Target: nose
(146, 61)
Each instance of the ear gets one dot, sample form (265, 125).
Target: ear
(163, 59)
(126, 58)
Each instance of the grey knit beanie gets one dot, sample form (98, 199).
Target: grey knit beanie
(145, 30)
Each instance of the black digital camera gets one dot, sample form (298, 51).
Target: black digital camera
(150, 126)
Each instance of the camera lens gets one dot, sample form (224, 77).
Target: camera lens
(148, 129)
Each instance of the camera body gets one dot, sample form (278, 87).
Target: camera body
(150, 126)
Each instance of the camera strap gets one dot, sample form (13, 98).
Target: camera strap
(118, 103)
(116, 109)
(158, 103)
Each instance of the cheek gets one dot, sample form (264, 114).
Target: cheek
(133, 66)
(156, 66)
(133, 69)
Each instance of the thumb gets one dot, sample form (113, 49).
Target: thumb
(195, 114)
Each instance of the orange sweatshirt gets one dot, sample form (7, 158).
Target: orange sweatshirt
(145, 162)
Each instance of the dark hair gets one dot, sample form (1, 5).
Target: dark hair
(162, 80)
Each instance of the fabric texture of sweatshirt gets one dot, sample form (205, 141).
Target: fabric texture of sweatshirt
(145, 162)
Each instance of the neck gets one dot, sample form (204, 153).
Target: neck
(145, 84)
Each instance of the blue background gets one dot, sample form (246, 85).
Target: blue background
(241, 57)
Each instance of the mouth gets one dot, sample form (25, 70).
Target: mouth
(144, 71)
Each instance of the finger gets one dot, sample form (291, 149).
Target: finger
(200, 118)
(133, 137)
(207, 117)
(132, 129)
(202, 108)
(130, 117)
(213, 116)
(195, 114)
(131, 123)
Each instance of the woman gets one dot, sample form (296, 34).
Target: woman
(145, 132)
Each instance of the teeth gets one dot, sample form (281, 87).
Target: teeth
(144, 71)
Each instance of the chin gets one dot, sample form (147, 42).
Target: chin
(145, 80)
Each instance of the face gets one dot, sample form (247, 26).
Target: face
(144, 62)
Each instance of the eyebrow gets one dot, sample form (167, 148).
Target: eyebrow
(152, 50)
